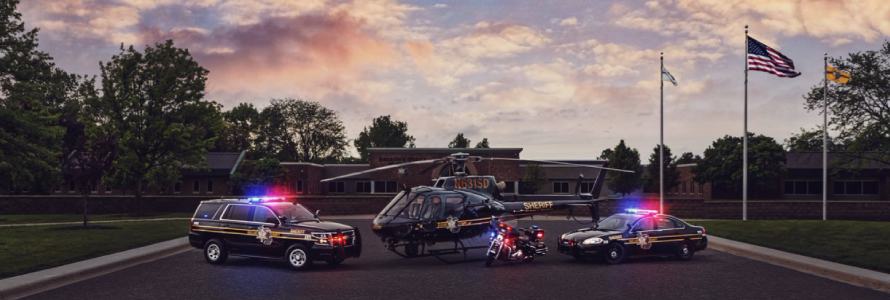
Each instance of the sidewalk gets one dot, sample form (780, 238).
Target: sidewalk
(91, 222)
(831, 270)
(33, 283)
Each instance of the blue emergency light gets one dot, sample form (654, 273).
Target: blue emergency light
(641, 211)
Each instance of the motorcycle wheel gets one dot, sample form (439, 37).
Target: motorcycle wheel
(528, 259)
(488, 260)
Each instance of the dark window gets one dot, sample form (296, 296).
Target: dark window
(414, 208)
(684, 188)
(363, 187)
(71, 186)
(385, 187)
(177, 187)
(58, 189)
(814, 187)
(803, 187)
(854, 187)
(265, 215)
(195, 186)
(561, 187)
(299, 188)
(800, 187)
(206, 210)
(511, 187)
(645, 224)
(678, 223)
(701, 189)
(664, 223)
(586, 187)
(238, 212)
(692, 188)
(336, 187)
(209, 186)
(108, 188)
(433, 208)
(391, 187)
(840, 187)
(870, 187)
(94, 189)
(454, 206)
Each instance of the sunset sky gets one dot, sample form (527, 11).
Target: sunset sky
(562, 79)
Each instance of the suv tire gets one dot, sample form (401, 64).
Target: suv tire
(298, 257)
(215, 252)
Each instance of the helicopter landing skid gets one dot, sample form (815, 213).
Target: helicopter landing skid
(459, 248)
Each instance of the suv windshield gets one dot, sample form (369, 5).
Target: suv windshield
(617, 223)
(293, 212)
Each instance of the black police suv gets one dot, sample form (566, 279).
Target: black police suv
(638, 232)
(270, 228)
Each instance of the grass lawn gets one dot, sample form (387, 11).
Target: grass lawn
(18, 219)
(856, 243)
(33, 248)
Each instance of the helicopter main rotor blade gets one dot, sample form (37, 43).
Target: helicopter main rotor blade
(557, 163)
(419, 162)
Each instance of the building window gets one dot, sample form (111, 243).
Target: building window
(107, 188)
(692, 188)
(58, 189)
(209, 186)
(561, 187)
(684, 188)
(196, 187)
(177, 188)
(94, 189)
(72, 187)
(385, 187)
(586, 187)
(337, 187)
(299, 187)
(701, 189)
(856, 187)
(803, 187)
(363, 187)
(511, 187)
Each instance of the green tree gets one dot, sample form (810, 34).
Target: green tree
(623, 157)
(33, 93)
(153, 102)
(299, 130)
(688, 158)
(459, 141)
(483, 143)
(859, 110)
(722, 165)
(671, 175)
(811, 141)
(383, 133)
(89, 163)
(533, 179)
(240, 129)
(256, 177)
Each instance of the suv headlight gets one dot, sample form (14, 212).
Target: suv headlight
(322, 238)
(594, 241)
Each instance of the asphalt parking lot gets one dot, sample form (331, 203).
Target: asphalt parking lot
(379, 274)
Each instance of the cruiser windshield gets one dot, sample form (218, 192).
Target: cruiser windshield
(293, 212)
(617, 223)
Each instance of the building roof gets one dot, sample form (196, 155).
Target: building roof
(813, 160)
(446, 150)
(334, 170)
(219, 163)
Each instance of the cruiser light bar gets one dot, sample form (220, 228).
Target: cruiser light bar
(265, 199)
(641, 211)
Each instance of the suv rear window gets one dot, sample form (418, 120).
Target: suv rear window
(206, 210)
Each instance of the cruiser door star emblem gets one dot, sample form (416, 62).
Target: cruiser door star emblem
(264, 235)
(643, 241)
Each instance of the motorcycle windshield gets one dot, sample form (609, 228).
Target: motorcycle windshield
(508, 220)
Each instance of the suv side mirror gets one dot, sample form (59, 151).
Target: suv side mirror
(630, 227)
(272, 220)
(317, 212)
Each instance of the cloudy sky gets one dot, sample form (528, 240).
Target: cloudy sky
(562, 79)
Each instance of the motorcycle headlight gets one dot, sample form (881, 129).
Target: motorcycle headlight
(594, 241)
(563, 236)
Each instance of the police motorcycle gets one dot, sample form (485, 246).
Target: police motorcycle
(510, 243)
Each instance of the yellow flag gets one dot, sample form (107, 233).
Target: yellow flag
(836, 75)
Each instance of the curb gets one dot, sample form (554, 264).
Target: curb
(831, 270)
(32, 283)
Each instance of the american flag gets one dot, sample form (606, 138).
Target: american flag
(763, 58)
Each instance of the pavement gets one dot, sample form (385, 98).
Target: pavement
(379, 274)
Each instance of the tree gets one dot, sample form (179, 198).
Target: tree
(860, 109)
(671, 175)
(483, 143)
(533, 179)
(811, 141)
(299, 130)
(256, 177)
(240, 129)
(688, 158)
(459, 141)
(88, 164)
(383, 133)
(153, 102)
(32, 93)
(722, 165)
(623, 157)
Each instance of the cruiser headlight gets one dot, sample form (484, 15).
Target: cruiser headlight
(594, 241)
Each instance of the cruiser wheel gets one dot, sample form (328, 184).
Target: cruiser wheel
(298, 257)
(685, 251)
(614, 254)
(215, 252)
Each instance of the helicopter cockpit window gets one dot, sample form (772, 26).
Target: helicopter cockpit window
(454, 206)
(414, 208)
(433, 208)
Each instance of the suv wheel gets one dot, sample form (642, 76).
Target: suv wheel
(297, 257)
(215, 252)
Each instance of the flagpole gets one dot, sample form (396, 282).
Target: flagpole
(661, 143)
(745, 139)
(825, 141)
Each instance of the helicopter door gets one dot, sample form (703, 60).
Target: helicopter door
(432, 212)
(454, 206)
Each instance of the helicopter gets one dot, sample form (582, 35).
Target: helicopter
(461, 206)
